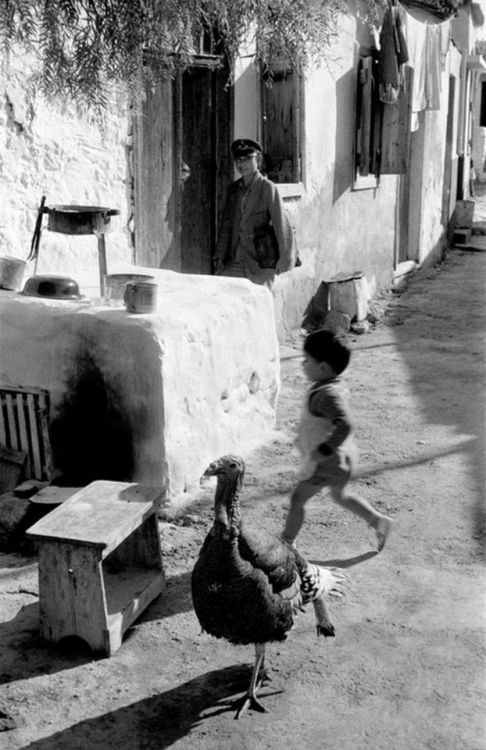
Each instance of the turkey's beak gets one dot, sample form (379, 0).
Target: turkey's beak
(211, 471)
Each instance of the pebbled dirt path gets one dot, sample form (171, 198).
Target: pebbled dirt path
(406, 670)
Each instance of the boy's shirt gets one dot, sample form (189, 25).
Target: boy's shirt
(326, 419)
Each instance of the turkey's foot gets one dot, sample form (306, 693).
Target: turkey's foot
(250, 700)
(325, 629)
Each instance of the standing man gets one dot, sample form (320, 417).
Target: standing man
(256, 239)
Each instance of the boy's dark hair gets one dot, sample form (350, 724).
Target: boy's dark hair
(326, 346)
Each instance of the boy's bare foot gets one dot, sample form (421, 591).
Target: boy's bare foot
(383, 529)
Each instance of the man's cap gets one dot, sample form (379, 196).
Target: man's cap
(245, 146)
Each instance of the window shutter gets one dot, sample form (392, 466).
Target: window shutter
(280, 124)
(395, 134)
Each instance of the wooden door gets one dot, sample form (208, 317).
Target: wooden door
(205, 144)
(154, 166)
(185, 122)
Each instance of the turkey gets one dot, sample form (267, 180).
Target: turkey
(248, 585)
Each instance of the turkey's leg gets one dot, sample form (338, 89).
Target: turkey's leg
(251, 699)
(323, 621)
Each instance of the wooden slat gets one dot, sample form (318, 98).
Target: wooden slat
(44, 406)
(13, 442)
(30, 446)
(23, 429)
(3, 431)
(39, 414)
(37, 465)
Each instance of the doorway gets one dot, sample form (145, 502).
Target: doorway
(448, 193)
(184, 123)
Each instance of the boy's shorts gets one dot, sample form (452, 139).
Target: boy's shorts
(335, 470)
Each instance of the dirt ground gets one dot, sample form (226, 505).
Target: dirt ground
(406, 669)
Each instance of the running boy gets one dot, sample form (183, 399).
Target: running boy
(325, 438)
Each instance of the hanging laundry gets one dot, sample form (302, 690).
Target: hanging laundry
(442, 9)
(432, 67)
(393, 54)
(427, 47)
(445, 42)
(415, 33)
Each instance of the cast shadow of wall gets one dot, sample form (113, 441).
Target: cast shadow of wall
(438, 337)
(24, 654)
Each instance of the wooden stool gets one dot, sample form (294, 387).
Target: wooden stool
(100, 563)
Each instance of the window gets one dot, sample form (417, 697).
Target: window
(282, 98)
(382, 130)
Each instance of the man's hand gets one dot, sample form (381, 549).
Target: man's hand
(218, 266)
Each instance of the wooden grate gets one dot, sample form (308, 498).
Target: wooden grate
(24, 415)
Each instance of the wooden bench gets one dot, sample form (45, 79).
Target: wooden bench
(100, 563)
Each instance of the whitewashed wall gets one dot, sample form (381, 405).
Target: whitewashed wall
(60, 152)
(339, 228)
(186, 384)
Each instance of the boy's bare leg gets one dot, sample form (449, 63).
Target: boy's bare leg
(296, 514)
(378, 521)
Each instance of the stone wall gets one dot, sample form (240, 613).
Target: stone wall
(57, 150)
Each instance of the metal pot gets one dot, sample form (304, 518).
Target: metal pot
(52, 287)
(11, 272)
(116, 283)
(79, 219)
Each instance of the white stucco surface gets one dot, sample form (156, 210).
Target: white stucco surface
(57, 150)
(194, 380)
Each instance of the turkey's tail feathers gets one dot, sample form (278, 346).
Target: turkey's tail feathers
(317, 581)
(316, 584)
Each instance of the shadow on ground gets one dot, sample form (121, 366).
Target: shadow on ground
(26, 655)
(159, 721)
(439, 333)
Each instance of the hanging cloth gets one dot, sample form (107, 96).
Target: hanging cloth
(415, 32)
(433, 67)
(393, 54)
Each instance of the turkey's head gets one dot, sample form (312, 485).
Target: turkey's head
(226, 466)
(229, 471)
